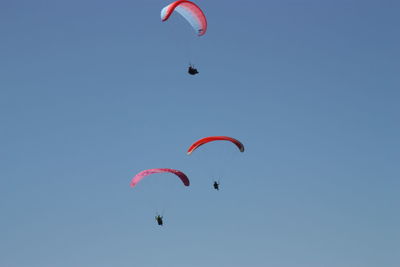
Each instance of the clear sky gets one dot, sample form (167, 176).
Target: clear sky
(92, 92)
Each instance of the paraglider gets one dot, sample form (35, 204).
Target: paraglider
(209, 139)
(192, 14)
(216, 185)
(138, 177)
(159, 219)
(206, 140)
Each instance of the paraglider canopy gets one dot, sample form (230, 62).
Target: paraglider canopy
(190, 11)
(206, 140)
(138, 177)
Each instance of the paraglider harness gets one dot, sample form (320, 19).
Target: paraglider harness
(216, 185)
(192, 70)
(159, 220)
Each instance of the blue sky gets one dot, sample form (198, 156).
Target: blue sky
(92, 92)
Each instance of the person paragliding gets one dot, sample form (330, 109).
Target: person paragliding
(139, 177)
(192, 70)
(159, 219)
(193, 14)
(216, 185)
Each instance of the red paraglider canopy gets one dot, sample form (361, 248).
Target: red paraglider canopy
(205, 140)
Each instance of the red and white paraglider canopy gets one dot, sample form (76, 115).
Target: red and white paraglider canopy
(190, 11)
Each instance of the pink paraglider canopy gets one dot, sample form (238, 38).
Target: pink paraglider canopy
(214, 138)
(190, 11)
(138, 177)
